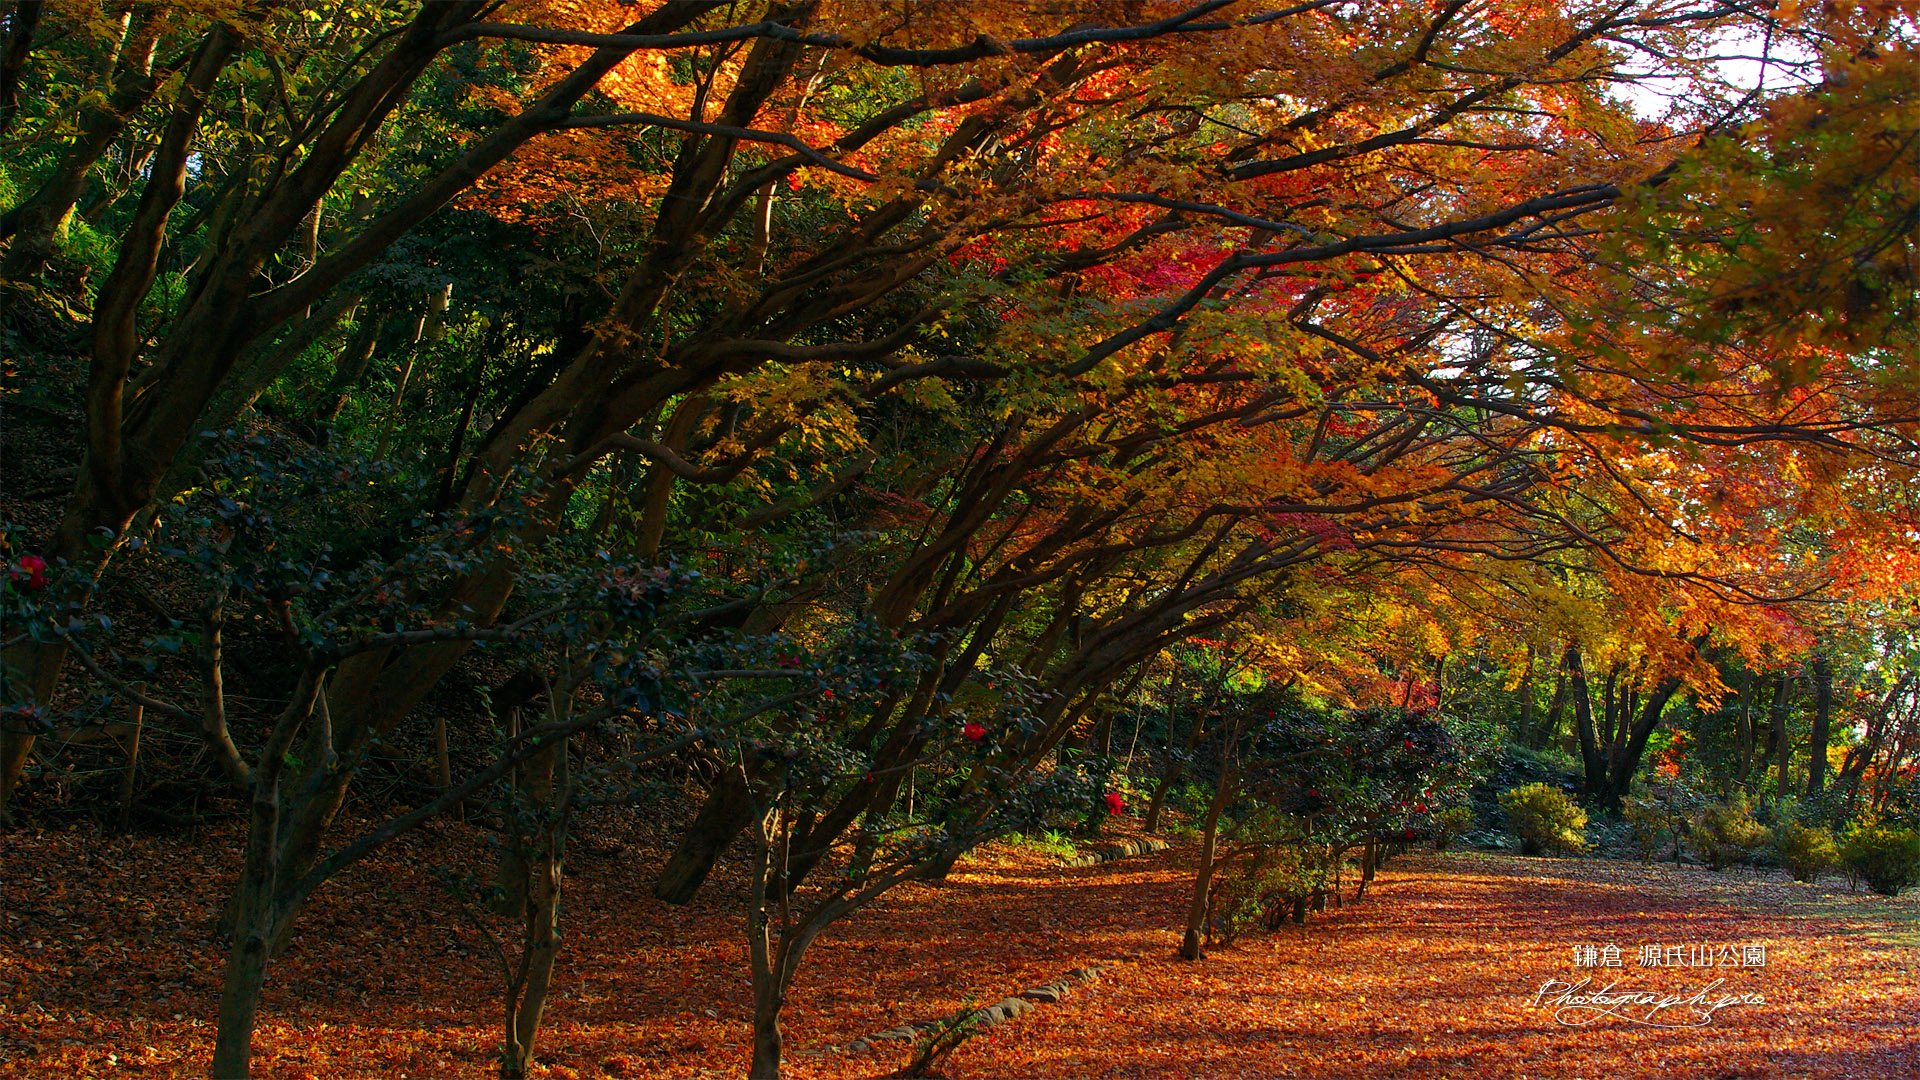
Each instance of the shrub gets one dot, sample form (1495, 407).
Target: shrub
(1806, 851)
(1725, 833)
(1887, 858)
(1649, 820)
(1264, 888)
(1051, 842)
(1545, 819)
(1450, 825)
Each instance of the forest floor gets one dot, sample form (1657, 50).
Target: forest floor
(107, 968)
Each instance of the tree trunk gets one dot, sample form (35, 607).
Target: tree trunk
(527, 995)
(426, 327)
(1550, 731)
(1626, 760)
(17, 46)
(255, 907)
(1593, 764)
(350, 365)
(128, 778)
(246, 975)
(1203, 876)
(722, 818)
(1526, 730)
(766, 1033)
(36, 221)
(1862, 755)
(1609, 708)
(1176, 768)
(1782, 747)
(1743, 720)
(1822, 678)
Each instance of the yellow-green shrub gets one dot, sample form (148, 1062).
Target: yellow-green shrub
(1887, 858)
(1450, 825)
(1649, 820)
(1806, 851)
(1545, 819)
(1725, 833)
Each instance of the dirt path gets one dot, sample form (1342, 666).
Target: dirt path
(104, 945)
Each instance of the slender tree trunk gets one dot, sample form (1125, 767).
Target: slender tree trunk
(1743, 720)
(1862, 755)
(1176, 768)
(1593, 764)
(1782, 746)
(1203, 876)
(427, 327)
(534, 792)
(254, 910)
(527, 998)
(1609, 708)
(350, 365)
(128, 778)
(1822, 677)
(1527, 731)
(1550, 732)
(442, 759)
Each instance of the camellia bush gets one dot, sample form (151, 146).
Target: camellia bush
(1312, 785)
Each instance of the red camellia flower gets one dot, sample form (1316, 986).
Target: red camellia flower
(33, 569)
(1419, 808)
(973, 731)
(1115, 804)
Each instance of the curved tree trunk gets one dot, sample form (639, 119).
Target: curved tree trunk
(1190, 944)
(722, 818)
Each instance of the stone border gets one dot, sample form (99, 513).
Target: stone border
(1010, 1008)
(1110, 852)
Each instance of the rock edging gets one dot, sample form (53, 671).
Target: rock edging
(1110, 852)
(1009, 1008)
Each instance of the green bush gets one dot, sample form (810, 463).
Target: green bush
(1545, 819)
(1806, 851)
(1886, 857)
(1725, 833)
(1450, 825)
(1263, 889)
(1050, 842)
